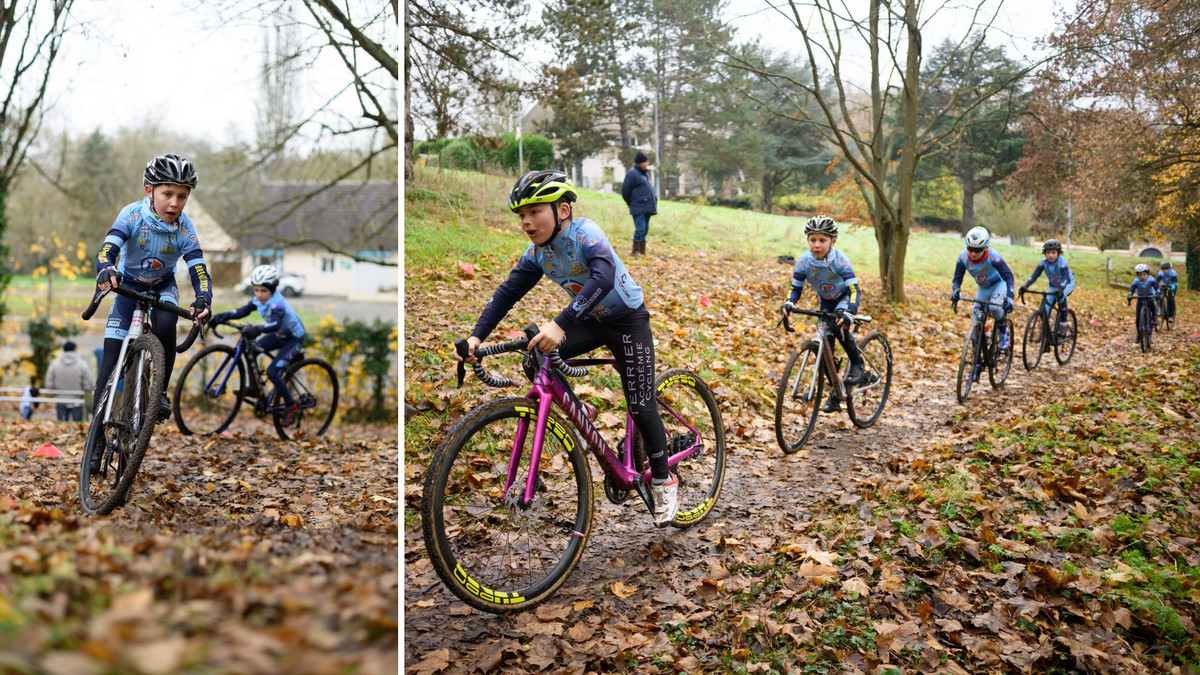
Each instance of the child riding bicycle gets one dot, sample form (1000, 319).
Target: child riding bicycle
(144, 244)
(607, 309)
(832, 277)
(1145, 287)
(1168, 283)
(283, 331)
(991, 273)
(1061, 279)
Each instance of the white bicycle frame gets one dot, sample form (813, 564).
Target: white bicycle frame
(136, 328)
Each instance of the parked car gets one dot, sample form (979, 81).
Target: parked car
(290, 285)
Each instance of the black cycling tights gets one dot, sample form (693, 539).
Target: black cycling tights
(164, 330)
(629, 339)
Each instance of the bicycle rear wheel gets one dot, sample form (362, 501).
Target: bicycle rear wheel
(121, 442)
(1034, 343)
(966, 362)
(690, 414)
(209, 391)
(493, 551)
(865, 403)
(314, 388)
(798, 399)
(1001, 358)
(1065, 348)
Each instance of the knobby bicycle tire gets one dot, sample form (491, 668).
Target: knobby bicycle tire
(481, 541)
(1145, 330)
(1001, 361)
(314, 386)
(966, 362)
(1065, 348)
(793, 398)
(701, 473)
(879, 365)
(132, 423)
(194, 402)
(1033, 344)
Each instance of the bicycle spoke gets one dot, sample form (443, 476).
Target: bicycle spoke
(798, 399)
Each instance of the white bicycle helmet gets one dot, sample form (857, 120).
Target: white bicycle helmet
(1142, 267)
(264, 275)
(978, 238)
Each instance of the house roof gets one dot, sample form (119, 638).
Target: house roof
(351, 215)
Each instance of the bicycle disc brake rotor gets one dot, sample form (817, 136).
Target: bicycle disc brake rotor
(522, 515)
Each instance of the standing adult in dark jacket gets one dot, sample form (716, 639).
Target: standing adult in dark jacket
(639, 195)
(70, 372)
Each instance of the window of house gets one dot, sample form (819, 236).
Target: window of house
(327, 264)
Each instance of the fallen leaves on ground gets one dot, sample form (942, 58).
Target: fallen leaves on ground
(1051, 523)
(240, 554)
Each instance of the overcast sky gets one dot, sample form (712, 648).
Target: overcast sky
(166, 60)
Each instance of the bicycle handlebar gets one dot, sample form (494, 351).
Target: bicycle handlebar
(461, 346)
(146, 299)
(1023, 292)
(787, 325)
(954, 303)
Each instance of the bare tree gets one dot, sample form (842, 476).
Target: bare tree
(883, 142)
(31, 34)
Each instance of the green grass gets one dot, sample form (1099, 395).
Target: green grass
(455, 216)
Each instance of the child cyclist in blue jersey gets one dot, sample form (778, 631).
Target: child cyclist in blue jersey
(1168, 283)
(606, 309)
(1145, 288)
(1062, 282)
(283, 331)
(991, 273)
(830, 274)
(144, 244)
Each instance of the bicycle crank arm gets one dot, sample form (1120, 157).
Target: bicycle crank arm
(643, 491)
(877, 383)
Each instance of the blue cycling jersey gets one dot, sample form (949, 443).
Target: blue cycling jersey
(832, 278)
(278, 315)
(149, 248)
(986, 272)
(1168, 279)
(580, 260)
(1143, 289)
(1059, 275)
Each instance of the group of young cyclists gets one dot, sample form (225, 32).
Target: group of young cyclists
(607, 306)
(141, 250)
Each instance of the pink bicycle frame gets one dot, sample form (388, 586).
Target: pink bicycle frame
(547, 391)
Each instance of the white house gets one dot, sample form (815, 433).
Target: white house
(331, 235)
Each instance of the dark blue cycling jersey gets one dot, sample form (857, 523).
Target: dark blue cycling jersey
(986, 272)
(1167, 279)
(580, 260)
(1143, 289)
(1059, 275)
(832, 278)
(279, 316)
(148, 249)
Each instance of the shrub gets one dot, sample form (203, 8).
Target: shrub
(364, 356)
(461, 153)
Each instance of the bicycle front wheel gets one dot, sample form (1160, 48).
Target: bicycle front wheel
(691, 416)
(1145, 328)
(1065, 348)
(798, 399)
(966, 362)
(1001, 358)
(121, 442)
(865, 402)
(493, 550)
(314, 387)
(1034, 343)
(209, 391)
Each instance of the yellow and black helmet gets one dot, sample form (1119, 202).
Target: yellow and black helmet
(541, 187)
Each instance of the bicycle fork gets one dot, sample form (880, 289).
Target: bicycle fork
(136, 327)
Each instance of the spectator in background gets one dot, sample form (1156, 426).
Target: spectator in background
(27, 404)
(69, 372)
(638, 193)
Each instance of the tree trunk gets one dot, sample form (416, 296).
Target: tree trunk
(408, 122)
(893, 280)
(968, 204)
(768, 191)
(1192, 262)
